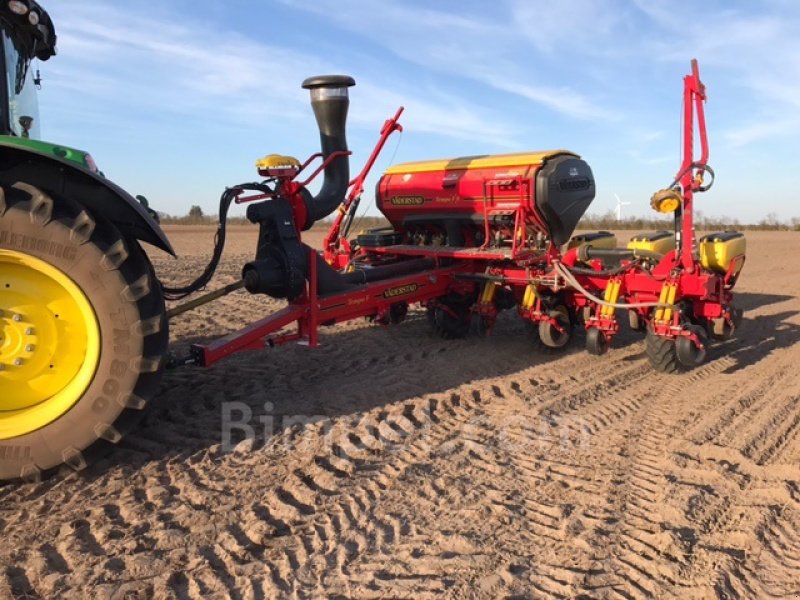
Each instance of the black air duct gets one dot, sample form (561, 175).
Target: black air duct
(329, 101)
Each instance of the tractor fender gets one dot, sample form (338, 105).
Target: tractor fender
(66, 179)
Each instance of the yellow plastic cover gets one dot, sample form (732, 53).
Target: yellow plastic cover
(277, 161)
(717, 250)
(480, 161)
(653, 242)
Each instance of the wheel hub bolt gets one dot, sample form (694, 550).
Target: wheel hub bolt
(29, 348)
(18, 362)
(17, 318)
(29, 331)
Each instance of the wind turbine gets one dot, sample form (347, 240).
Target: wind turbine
(620, 204)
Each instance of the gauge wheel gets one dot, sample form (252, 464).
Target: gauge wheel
(83, 333)
(661, 353)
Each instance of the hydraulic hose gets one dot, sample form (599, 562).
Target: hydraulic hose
(570, 278)
(702, 168)
(228, 196)
(587, 252)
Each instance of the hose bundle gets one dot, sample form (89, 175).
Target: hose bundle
(228, 196)
(571, 280)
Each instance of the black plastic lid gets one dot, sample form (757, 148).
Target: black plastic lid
(328, 81)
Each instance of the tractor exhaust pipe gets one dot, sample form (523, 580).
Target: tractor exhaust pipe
(330, 102)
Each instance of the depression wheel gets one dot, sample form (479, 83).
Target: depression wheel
(549, 335)
(450, 317)
(596, 342)
(687, 352)
(635, 321)
(82, 334)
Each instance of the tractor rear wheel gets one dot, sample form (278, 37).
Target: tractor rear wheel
(82, 333)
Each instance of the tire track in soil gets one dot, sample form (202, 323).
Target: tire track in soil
(491, 487)
(477, 453)
(291, 504)
(639, 557)
(344, 462)
(726, 514)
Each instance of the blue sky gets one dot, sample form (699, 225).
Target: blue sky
(176, 99)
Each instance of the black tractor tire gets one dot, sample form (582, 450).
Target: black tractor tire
(116, 278)
(688, 354)
(661, 353)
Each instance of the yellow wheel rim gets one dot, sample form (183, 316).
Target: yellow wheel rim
(49, 343)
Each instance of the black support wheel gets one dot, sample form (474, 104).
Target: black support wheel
(481, 325)
(688, 353)
(635, 321)
(661, 353)
(450, 318)
(596, 342)
(83, 333)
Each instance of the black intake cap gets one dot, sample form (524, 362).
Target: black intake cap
(328, 81)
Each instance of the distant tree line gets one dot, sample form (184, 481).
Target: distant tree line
(770, 222)
(196, 216)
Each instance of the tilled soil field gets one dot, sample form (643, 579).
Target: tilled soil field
(392, 464)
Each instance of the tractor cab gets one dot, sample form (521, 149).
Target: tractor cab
(27, 33)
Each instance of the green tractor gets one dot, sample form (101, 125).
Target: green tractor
(83, 331)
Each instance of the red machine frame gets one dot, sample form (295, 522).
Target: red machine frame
(668, 296)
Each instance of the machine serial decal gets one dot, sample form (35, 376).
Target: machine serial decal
(401, 290)
(407, 201)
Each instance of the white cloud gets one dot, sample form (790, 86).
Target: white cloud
(120, 54)
(444, 114)
(569, 25)
(762, 130)
(197, 71)
(759, 50)
(561, 99)
(490, 48)
(650, 160)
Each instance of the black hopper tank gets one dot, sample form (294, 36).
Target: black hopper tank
(564, 190)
